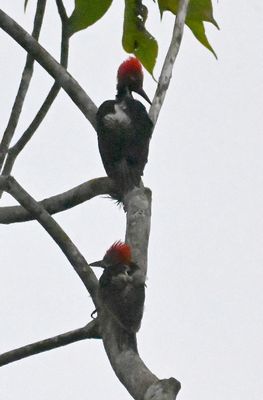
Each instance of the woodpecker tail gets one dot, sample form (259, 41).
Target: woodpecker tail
(127, 177)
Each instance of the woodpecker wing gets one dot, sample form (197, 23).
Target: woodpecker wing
(109, 137)
(123, 298)
(124, 131)
(136, 152)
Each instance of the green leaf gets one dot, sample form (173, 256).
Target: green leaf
(136, 39)
(25, 5)
(201, 10)
(86, 13)
(198, 29)
(198, 12)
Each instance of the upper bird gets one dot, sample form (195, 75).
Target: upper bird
(124, 129)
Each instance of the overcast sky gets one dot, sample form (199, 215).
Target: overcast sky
(203, 321)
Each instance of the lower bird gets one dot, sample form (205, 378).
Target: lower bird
(121, 287)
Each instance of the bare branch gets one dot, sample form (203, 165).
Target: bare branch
(23, 87)
(121, 346)
(29, 132)
(62, 12)
(60, 202)
(64, 48)
(14, 151)
(141, 383)
(62, 77)
(80, 265)
(138, 217)
(89, 331)
(170, 58)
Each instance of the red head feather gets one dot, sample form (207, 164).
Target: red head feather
(130, 75)
(118, 253)
(130, 68)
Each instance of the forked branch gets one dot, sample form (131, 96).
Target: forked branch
(14, 151)
(80, 265)
(62, 77)
(23, 87)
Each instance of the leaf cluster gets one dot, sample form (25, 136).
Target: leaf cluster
(136, 39)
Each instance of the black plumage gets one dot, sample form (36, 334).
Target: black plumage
(124, 129)
(124, 132)
(121, 287)
(123, 295)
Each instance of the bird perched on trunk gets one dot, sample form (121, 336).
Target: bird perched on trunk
(124, 129)
(121, 287)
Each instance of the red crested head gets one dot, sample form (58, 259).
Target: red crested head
(118, 253)
(130, 72)
(130, 76)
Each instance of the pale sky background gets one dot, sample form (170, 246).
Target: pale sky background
(203, 321)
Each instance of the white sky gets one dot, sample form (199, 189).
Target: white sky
(203, 320)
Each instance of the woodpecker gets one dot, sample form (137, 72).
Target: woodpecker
(121, 287)
(124, 129)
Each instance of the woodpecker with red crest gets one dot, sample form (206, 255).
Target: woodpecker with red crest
(124, 129)
(121, 287)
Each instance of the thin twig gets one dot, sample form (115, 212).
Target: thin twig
(23, 87)
(14, 151)
(80, 265)
(62, 77)
(60, 202)
(62, 12)
(89, 331)
(170, 58)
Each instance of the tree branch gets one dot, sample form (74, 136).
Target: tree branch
(121, 346)
(170, 58)
(23, 87)
(62, 12)
(89, 331)
(76, 259)
(60, 202)
(138, 222)
(62, 77)
(14, 151)
(141, 383)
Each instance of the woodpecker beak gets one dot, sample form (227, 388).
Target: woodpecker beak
(142, 93)
(100, 264)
